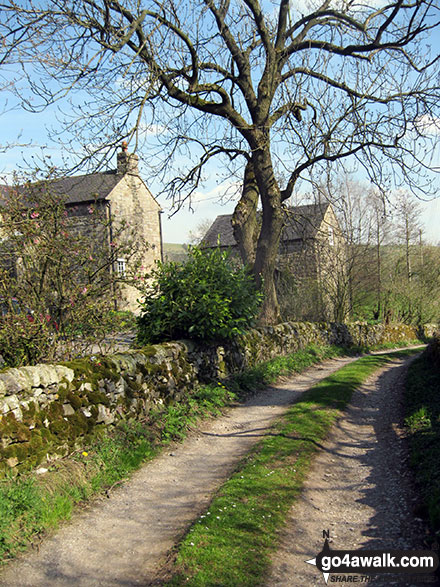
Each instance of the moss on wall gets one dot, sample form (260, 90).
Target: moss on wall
(48, 411)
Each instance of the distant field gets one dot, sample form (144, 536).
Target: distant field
(174, 251)
(174, 247)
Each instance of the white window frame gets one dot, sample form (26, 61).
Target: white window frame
(121, 267)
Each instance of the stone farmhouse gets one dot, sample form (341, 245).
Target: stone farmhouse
(311, 260)
(119, 196)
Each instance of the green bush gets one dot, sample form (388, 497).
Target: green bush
(120, 321)
(24, 342)
(106, 322)
(207, 297)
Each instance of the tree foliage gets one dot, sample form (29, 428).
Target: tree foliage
(208, 297)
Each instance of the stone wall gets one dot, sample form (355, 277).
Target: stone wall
(47, 411)
(131, 202)
(433, 349)
(261, 344)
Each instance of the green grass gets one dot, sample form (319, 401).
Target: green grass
(266, 373)
(385, 346)
(31, 505)
(232, 542)
(422, 409)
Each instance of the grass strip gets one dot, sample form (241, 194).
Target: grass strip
(31, 505)
(422, 419)
(232, 542)
(385, 346)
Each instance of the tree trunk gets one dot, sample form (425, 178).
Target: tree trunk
(407, 244)
(270, 233)
(244, 219)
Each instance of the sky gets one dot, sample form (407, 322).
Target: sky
(207, 202)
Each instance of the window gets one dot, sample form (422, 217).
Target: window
(331, 236)
(120, 267)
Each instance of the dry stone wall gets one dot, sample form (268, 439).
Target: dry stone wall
(47, 411)
(433, 349)
(261, 344)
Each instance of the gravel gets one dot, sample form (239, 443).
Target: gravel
(360, 489)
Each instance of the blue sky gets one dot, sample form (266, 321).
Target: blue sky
(207, 202)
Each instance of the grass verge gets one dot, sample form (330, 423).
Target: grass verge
(31, 505)
(422, 409)
(385, 346)
(232, 542)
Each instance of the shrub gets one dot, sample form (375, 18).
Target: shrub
(207, 297)
(120, 321)
(23, 342)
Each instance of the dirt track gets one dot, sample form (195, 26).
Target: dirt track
(123, 540)
(359, 489)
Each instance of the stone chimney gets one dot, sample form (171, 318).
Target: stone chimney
(127, 162)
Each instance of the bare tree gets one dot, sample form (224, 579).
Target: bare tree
(349, 199)
(196, 235)
(352, 270)
(386, 271)
(283, 92)
(415, 301)
(408, 227)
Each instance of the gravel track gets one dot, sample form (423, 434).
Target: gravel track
(125, 540)
(360, 488)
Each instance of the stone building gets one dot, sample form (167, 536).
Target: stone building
(119, 197)
(311, 272)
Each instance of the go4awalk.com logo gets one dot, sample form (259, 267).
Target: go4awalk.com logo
(371, 562)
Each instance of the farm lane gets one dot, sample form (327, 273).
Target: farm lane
(124, 540)
(359, 488)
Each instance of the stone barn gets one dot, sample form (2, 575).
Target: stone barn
(311, 266)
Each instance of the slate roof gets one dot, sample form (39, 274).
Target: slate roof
(220, 232)
(77, 189)
(83, 188)
(302, 222)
